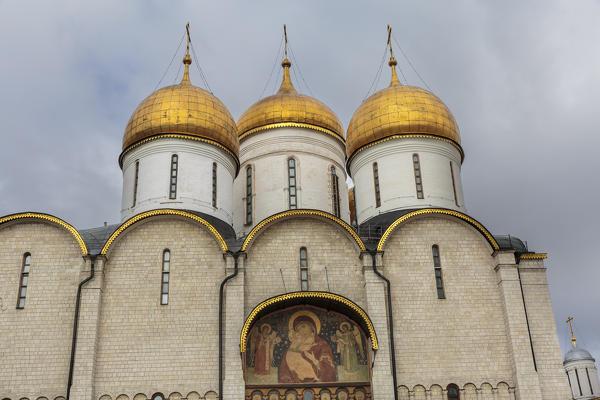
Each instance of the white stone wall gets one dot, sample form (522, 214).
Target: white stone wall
(267, 153)
(194, 178)
(147, 347)
(35, 342)
(397, 177)
(272, 266)
(460, 339)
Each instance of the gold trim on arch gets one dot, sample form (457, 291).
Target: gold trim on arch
(443, 211)
(288, 213)
(292, 125)
(50, 218)
(178, 136)
(533, 256)
(164, 211)
(299, 295)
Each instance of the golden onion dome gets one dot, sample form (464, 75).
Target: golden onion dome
(400, 111)
(289, 108)
(182, 111)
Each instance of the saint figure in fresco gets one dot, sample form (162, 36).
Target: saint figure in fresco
(308, 358)
(348, 342)
(264, 342)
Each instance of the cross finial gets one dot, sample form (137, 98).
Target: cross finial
(392, 63)
(389, 41)
(187, 60)
(570, 322)
(285, 39)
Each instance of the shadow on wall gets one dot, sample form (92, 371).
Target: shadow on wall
(468, 392)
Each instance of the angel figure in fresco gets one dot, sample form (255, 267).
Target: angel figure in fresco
(348, 342)
(308, 358)
(263, 343)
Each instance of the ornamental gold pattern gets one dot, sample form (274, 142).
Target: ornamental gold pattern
(533, 256)
(306, 295)
(289, 106)
(400, 110)
(163, 211)
(442, 211)
(50, 218)
(288, 213)
(177, 136)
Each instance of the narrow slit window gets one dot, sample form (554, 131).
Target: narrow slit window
(589, 381)
(454, 184)
(292, 195)
(578, 383)
(249, 195)
(418, 176)
(164, 284)
(335, 198)
(135, 181)
(24, 280)
(437, 267)
(453, 392)
(303, 269)
(214, 185)
(376, 181)
(173, 182)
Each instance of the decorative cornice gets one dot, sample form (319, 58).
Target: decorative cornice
(442, 211)
(178, 136)
(164, 211)
(306, 295)
(533, 256)
(50, 218)
(407, 136)
(288, 213)
(292, 125)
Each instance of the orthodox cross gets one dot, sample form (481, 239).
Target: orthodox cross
(570, 322)
(389, 41)
(187, 28)
(285, 39)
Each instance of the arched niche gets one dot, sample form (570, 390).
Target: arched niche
(307, 344)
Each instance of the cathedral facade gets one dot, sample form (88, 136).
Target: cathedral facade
(244, 268)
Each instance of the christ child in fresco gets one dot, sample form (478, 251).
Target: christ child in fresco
(309, 357)
(265, 342)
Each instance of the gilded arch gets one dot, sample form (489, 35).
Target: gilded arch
(48, 218)
(261, 225)
(164, 211)
(440, 211)
(308, 297)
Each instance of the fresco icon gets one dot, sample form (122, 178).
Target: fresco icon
(306, 344)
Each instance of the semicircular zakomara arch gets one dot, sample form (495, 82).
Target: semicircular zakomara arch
(303, 212)
(163, 211)
(51, 219)
(440, 211)
(327, 300)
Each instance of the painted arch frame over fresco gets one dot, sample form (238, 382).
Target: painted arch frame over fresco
(308, 346)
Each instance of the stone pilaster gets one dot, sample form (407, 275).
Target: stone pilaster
(233, 385)
(524, 373)
(87, 332)
(376, 292)
(553, 380)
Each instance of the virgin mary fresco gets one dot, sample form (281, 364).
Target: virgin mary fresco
(305, 345)
(308, 358)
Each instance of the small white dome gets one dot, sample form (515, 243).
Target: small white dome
(577, 354)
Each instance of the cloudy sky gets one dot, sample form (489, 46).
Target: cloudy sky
(522, 79)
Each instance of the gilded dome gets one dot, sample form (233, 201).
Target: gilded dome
(399, 110)
(183, 110)
(289, 108)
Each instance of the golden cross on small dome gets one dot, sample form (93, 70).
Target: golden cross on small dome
(570, 322)
(285, 39)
